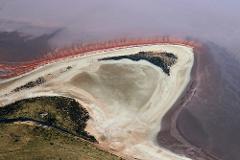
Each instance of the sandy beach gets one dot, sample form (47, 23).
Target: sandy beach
(126, 99)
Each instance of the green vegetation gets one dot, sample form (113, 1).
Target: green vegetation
(30, 84)
(59, 112)
(56, 131)
(26, 142)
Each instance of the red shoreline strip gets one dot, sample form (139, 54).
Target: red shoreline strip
(19, 69)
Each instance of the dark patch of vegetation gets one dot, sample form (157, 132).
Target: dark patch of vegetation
(62, 113)
(69, 67)
(164, 60)
(30, 84)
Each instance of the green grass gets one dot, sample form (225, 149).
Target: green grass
(19, 141)
(25, 142)
(54, 111)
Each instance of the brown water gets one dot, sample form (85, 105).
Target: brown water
(211, 119)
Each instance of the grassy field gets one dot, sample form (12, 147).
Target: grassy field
(22, 141)
(60, 112)
(25, 142)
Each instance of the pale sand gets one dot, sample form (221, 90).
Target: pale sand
(125, 99)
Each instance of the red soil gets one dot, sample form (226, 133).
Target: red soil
(14, 70)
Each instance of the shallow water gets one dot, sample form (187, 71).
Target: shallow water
(211, 119)
(96, 20)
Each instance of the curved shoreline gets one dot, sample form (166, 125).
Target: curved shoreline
(16, 69)
(161, 44)
(169, 130)
(179, 143)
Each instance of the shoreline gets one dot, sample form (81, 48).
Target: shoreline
(129, 50)
(15, 69)
(169, 121)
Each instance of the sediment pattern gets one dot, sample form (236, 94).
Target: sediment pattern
(163, 60)
(125, 99)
